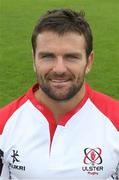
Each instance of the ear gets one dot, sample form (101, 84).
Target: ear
(90, 62)
(33, 58)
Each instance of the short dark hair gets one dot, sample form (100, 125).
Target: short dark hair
(62, 21)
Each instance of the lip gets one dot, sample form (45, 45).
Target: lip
(59, 82)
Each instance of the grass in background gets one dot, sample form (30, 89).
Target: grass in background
(17, 19)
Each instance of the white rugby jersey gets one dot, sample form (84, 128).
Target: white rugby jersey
(84, 144)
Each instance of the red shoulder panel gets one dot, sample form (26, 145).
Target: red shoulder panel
(107, 105)
(8, 110)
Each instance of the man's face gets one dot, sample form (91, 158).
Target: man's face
(60, 63)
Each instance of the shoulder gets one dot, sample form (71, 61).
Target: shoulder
(105, 102)
(107, 105)
(7, 111)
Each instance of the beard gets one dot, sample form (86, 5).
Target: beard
(58, 94)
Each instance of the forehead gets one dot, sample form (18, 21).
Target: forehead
(52, 41)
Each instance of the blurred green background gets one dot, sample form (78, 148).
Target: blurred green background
(17, 19)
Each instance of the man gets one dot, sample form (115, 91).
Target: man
(61, 128)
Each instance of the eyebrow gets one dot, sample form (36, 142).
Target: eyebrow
(77, 54)
(40, 54)
(73, 54)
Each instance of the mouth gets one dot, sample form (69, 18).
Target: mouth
(59, 82)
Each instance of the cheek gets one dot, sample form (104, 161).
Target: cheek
(80, 70)
(80, 74)
(42, 69)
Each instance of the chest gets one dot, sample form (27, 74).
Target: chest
(83, 148)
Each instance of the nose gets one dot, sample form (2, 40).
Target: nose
(59, 66)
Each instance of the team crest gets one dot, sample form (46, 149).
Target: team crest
(92, 161)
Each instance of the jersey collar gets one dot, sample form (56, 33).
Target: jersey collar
(48, 114)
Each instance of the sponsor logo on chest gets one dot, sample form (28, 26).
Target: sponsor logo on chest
(16, 164)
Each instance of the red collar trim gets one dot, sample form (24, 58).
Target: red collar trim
(64, 119)
(48, 114)
(42, 108)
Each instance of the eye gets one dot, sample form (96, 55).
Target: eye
(46, 56)
(73, 57)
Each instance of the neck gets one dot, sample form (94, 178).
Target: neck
(59, 108)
